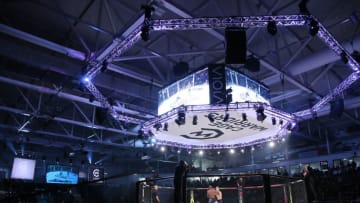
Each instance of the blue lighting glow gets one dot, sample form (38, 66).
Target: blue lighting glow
(85, 79)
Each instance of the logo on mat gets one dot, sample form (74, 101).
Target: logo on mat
(204, 133)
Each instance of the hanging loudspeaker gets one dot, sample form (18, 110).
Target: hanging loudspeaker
(235, 45)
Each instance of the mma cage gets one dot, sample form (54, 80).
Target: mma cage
(235, 188)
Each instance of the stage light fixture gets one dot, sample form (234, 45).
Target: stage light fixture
(181, 118)
(273, 120)
(226, 117)
(281, 122)
(218, 152)
(244, 116)
(195, 120)
(344, 57)
(314, 27)
(178, 151)
(145, 33)
(157, 126)
(242, 151)
(271, 144)
(271, 28)
(260, 116)
(252, 148)
(201, 152)
(147, 10)
(166, 126)
(91, 98)
(211, 117)
(85, 79)
(104, 66)
(303, 7)
(162, 148)
(232, 151)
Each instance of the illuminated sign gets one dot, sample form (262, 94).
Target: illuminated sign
(96, 174)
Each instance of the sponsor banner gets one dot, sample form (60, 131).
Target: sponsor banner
(217, 84)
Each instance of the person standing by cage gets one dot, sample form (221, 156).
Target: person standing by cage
(310, 184)
(218, 195)
(154, 194)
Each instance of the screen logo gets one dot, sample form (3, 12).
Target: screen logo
(96, 174)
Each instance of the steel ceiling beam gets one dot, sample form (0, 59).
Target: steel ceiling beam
(314, 61)
(72, 53)
(68, 121)
(67, 96)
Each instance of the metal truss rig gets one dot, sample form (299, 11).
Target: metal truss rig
(119, 47)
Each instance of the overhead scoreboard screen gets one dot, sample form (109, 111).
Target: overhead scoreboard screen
(194, 111)
(194, 89)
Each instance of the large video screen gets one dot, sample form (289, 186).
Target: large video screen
(244, 89)
(191, 90)
(194, 90)
(58, 174)
(23, 169)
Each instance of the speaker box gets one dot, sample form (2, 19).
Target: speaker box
(235, 45)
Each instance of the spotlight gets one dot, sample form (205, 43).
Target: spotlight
(211, 117)
(232, 151)
(111, 101)
(226, 117)
(289, 127)
(272, 144)
(281, 122)
(356, 56)
(195, 120)
(303, 8)
(314, 27)
(166, 126)
(85, 79)
(91, 98)
(153, 140)
(218, 152)
(145, 33)
(147, 10)
(242, 151)
(178, 151)
(271, 28)
(157, 126)
(283, 139)
(344, 57)
(244, 117)
(252, 148)
(201, 152)
(181, 118)
(104, 66)
(162, 148)
(273, 120)
(260, 116)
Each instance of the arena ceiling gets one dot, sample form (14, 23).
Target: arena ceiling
(46, 47)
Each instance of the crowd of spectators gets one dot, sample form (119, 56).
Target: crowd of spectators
(335, 184)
